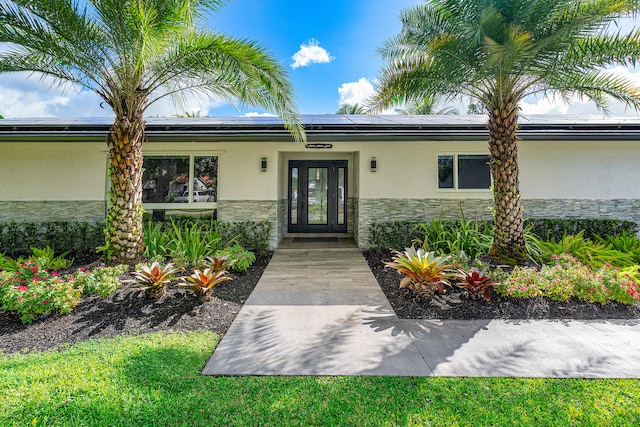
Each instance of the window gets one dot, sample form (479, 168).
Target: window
(179, 179)
(464, 172)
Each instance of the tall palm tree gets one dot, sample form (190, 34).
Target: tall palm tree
(350, 109)
(133, 53)
(425, 106)
(497, 52)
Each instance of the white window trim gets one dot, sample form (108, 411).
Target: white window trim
(455, 188)
(190, 205)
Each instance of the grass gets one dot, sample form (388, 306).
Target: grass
(155, 380)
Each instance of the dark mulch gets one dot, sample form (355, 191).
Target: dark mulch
(129, 311)
(456, 304)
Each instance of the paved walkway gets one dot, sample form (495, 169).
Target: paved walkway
(317, 310)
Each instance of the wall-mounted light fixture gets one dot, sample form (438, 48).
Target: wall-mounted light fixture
(374, 164)
(263, 164)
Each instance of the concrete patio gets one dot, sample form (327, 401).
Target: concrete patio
(318, 310)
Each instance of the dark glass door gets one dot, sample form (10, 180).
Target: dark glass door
(317, 196)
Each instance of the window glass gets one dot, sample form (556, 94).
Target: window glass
(473, 171)
(341, 196)
(317, 187)
(165, 179)
(294, 196)
(445, 171)
(205, 181)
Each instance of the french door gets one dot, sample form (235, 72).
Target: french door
(318, 196)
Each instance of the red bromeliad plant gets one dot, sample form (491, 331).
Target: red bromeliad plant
(219, 263)
(476, 282)
(424, 272)
(155, 278)
(202, 282)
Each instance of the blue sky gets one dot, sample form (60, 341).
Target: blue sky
(328, 48)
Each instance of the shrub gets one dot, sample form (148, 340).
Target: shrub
(424, 272)
(242, 259)
(556, 228)
(588, 252)
(394, 235)
(567, 278)
(74, 238)
(31, 291)
(252, 235)
(103, 281)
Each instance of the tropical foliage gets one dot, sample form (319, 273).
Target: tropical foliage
(497, 53)
(476, 282)
(424, 271)
(132, 54)
(154, 278)
(567, 278)
(202, 282)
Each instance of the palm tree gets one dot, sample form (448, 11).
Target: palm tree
(350, 109)
(497, 52)
(133, 53)
(426, 106)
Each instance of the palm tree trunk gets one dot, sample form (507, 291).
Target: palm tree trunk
(508, 240)
(124, 222)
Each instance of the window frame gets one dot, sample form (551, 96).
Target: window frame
(455, 173)
(190, 204)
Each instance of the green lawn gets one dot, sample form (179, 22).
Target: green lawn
(155, 380)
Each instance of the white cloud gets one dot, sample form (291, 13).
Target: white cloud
(356, 92)
(310, 53)
(24, 96)
(578, 106)
(255, 114)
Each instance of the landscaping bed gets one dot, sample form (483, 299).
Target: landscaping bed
(456, 304)
(130, 311)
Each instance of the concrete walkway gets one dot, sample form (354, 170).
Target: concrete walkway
(319, 311)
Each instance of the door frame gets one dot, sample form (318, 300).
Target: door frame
(333, 195)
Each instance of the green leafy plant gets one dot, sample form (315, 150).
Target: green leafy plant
(476, 282)
(156, 240)
(193, 241)
(154, 278)
(555, 228)
(625, 242)
(74, 238)
(569, 277)
(219, 263)
(450, 237)
(104, 281)
(32, 290)
(202, 282)
(48, 260)
(7, 264)
(243, 259)
(588, 252)
(425, 272)
(252, 235)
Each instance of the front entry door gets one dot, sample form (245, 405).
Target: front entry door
(317, 196)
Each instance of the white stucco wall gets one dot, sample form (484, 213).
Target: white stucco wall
(580, 170)
(31, 171)
(549, 170)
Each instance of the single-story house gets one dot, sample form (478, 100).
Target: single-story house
(353, 171)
